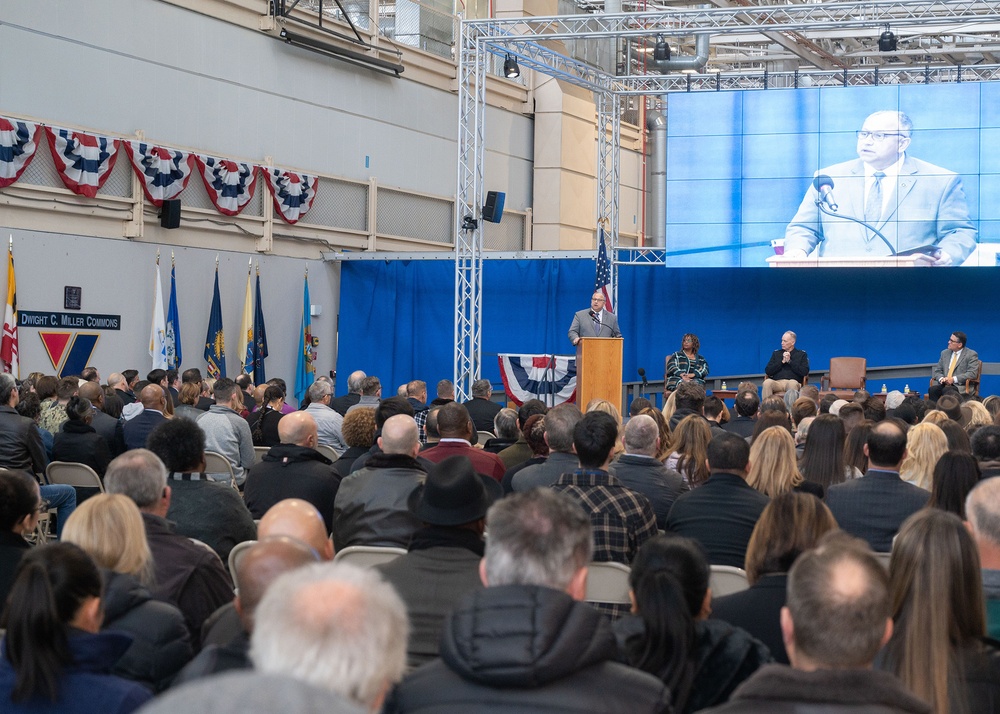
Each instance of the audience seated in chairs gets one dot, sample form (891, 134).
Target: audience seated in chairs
(534, 434)
(955, 475)
(925, 444)
(359, 435)
(264, 421)
(20, 508)
(822, 460)
(688, 448)
(774, 469)
(109, 528)
(78, 441)
(670, 636)
(560, 421)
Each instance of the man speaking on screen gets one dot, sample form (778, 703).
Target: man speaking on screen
(919, 208)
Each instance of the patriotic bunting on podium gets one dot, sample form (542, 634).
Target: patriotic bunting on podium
(293, 193)
(83, 161)
(551, 378)
(230, 185)
(18, 144)
(164, 172)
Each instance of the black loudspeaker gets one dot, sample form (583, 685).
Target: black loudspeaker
(493, 208)
(170, 213)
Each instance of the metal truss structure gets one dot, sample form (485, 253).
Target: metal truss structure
(529, 39)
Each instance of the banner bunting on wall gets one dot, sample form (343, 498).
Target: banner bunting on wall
(18, 144)
(551, 378)
(83, 161)
(293, 193)
(164, 173)
(230, 184)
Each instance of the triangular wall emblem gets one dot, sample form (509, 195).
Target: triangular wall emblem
(55, 346)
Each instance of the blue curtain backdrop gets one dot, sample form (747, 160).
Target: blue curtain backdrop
(397, 319)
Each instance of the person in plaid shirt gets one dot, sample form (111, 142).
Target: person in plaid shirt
(622, 519)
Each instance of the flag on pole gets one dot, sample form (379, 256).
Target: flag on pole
(173, 323)
(8, 346)
(259, 338)
(158, 328)
(305, 372)
(245, 346)
(603, 279)
(215, 340)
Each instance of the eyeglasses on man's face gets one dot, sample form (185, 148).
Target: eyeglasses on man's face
(876, 135)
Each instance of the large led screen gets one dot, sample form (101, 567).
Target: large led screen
(866, 176)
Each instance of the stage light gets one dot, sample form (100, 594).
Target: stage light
(661, 53)
(510, 68)
(887, 41)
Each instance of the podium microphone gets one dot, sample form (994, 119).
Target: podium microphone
(824, 186)
(645, 383)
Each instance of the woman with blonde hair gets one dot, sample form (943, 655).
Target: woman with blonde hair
(603, 405)
(110, 529)
(925, 444)
(935, 416)
(790, 525)
(689, 449)
(978, 415)
(669, 406)
(774, 467)
(937, 646)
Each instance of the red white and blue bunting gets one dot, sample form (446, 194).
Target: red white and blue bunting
(551, 378)
(230, 184)
(293, 193)
(164, 172)
(83, 161)
(18, 144)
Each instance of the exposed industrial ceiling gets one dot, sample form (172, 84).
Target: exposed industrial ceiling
(957, 39)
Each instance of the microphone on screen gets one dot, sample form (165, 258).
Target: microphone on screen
(824, 186)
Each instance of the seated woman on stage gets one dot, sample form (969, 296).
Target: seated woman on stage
(685, 365)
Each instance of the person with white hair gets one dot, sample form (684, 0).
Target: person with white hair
(639, 470)
(982, 511)
(525, 642)
(333, 626)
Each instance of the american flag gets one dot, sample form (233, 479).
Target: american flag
(603, 279)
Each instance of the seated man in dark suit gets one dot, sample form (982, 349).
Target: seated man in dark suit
(560, 421)
(136, 429)
(639, 470)
(481, 407)
(957, 365)
(722, 512)
(874, 506)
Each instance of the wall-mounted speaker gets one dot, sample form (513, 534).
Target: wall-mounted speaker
(170, 213)
(493, 208)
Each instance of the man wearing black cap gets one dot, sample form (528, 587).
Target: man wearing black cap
(442, 564)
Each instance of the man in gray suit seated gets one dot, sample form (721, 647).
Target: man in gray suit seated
(595, 322)
(958, 364)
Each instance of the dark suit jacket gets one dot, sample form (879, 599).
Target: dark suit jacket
(111, 429)
(583, 325)
(741, 426)
(138, 427)
(720, 514)
(646, 475)
(874, 506)
(482, 412)
(342, 404)
(545, 473)
(797, 367)
(758, 611)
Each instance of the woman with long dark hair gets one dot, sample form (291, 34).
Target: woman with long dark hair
(54, 655)
(855, 460)
(937, 646)
(822, 460)
(701, 661)
(955, 474)
(264, 421)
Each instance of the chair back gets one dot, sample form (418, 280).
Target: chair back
(883, 558)
(607, 582)
(485, 436)
(327, 451)
(216, 463)
(73, 474)
(238, 551)
(726, 580)
(972, 385)
(847, 372)
(368, 556)
(258, 453)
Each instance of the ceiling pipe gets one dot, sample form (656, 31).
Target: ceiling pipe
(693, 63)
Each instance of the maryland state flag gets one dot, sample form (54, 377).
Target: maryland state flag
(215, 340)
(8, 346)
(305, 372)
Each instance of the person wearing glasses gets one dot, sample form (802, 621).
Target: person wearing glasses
(918, 207)
(595, 322)
(957, 365)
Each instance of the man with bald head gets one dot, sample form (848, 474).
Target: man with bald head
(259, 566)
(293, 469)
(371, 506)
(110, 429)
(119, 383)
(455, 427)
(137, 428)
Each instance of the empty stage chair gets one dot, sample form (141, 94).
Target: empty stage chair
(726, 580)
(846, 376)
(368, 556)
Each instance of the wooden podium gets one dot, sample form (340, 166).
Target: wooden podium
(599, 370)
